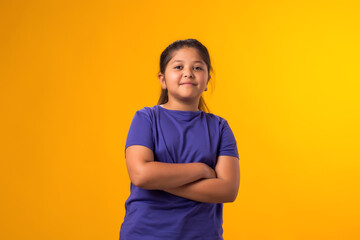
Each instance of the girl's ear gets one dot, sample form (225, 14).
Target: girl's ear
(162, 80)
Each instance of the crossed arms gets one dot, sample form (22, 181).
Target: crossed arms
(195, 181)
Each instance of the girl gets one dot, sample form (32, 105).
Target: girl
(183, 162)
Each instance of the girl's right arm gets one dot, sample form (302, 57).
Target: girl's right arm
(145, 173)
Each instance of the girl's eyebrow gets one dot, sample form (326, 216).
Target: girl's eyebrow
(193, 61)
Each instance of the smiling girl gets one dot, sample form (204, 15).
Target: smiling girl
(182, 161)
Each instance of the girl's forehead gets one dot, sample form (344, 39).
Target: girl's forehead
(186, 50)
(186, 53)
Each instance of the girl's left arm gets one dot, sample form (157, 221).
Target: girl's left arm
(224, 188)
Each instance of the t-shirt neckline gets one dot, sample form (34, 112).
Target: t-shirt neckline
(180, 111)
(179, 114)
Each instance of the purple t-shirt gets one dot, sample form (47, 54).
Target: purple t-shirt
(176, 136)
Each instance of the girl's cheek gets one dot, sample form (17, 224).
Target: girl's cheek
(173, 75)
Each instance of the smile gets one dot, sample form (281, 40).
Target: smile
(188, 84)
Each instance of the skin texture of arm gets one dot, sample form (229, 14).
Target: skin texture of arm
(222, 189)
(144, 172)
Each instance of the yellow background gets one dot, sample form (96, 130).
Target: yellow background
(73, 73)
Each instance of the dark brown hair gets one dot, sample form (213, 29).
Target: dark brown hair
(168, 53)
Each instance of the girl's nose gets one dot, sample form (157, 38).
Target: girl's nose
(188, 74)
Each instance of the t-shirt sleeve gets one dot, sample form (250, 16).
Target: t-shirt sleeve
(228, 146)
(140, 131)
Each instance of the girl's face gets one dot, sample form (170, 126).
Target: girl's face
(186, 75)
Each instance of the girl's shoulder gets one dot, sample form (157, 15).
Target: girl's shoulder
(148, 111)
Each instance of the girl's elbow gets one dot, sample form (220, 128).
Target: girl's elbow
(138, 179)
(232, 195)
(141, 182)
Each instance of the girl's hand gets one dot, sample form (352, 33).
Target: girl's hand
(209, 172)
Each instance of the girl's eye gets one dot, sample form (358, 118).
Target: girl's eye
(197, 68)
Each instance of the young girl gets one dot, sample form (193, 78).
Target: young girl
(183, 162)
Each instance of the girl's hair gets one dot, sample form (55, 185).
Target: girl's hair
(168, 53)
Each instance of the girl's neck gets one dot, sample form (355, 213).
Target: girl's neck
(181, 106)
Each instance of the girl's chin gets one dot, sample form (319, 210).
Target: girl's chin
(185, 94)
(188, 98)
